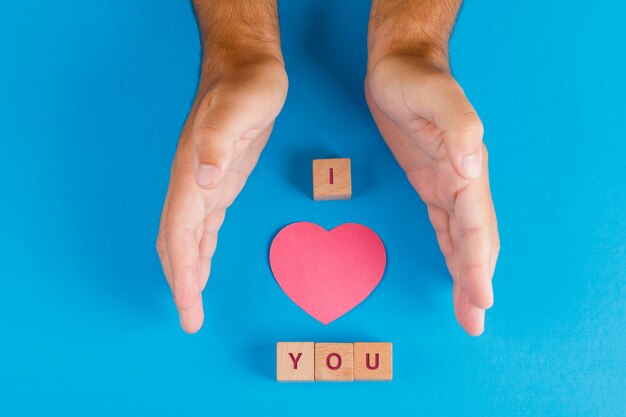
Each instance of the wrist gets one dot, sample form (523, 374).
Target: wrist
(237, 35)
(223, 64)
(416, 28)
(244, 76)
(434, 55)
(240, 46)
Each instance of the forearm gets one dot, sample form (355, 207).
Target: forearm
(412, 27)
(237, 33)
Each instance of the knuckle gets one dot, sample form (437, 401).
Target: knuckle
(474, 270)
(468, 123)
(471, 231)
(215, 220)
(211, 143)
(160, 246)
(183, 302)
(209, 132)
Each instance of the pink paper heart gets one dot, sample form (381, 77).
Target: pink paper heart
(327, 273)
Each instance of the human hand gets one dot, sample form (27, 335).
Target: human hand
(436, 137)
(222, 139)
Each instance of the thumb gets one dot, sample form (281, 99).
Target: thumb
(216, 130)
(462, 129)
(441, 100)
(464, 143)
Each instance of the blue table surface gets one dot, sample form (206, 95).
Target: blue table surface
(92, 98)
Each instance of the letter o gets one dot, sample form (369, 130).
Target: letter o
(335, 355)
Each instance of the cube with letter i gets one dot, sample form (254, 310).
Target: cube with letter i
(332, 179)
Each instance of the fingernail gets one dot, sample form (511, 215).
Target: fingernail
(472, 165)
(207, 175)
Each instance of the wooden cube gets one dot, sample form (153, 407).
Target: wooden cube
(295, 361)
(332, 179)
(334, 362)
(373, 361)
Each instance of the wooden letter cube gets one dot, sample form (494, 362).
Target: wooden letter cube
(295, 361)
(332, 179)
(372, 361)
(333, 362)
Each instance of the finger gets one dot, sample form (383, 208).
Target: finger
(437, 97)
(208, 244)
(473, 210)
(207, 249)
(440, 221)
(470, 317)
(165, 262)
(218, 126)
(192, 318)
(183, 253)
(495, 247)
(454, 260)
(161, 247)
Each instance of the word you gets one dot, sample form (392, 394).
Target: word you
(308, 361)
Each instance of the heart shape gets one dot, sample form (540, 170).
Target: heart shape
(327, 273)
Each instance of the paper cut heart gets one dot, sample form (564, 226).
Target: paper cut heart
(327, 273)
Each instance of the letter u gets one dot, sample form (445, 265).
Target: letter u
(367, 362)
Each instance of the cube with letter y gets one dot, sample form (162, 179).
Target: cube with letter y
(295, 361)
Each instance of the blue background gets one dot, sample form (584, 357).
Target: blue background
(92, 97)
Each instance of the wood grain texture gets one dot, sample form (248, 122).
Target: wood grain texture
(334, 362)
(295, 361)
(335, 184)
(373, 361)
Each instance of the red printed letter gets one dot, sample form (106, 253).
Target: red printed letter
(297, 358)
(367, 362)
(336, 355)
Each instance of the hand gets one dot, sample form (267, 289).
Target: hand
(222, 139)
(436, 136)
